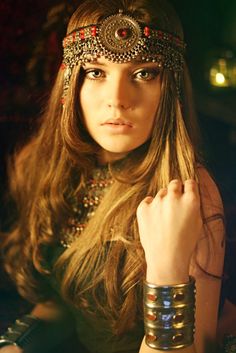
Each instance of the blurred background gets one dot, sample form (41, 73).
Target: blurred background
(30, 53)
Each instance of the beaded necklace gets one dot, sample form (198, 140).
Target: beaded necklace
(85, 204)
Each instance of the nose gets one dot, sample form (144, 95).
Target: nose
(120, 94)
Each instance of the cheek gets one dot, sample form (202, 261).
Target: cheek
(84, 101)
(151, 107)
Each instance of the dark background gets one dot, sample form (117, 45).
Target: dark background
(30, 53)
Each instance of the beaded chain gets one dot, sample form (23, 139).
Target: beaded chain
(120, 38)
(85, 204)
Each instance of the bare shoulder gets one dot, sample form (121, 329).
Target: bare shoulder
(211, 246)
(210, 195)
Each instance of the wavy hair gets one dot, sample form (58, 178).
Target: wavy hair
(102, 265)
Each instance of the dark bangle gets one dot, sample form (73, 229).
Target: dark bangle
(29, 332)
(21, 332)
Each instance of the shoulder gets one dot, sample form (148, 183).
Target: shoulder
(211, 246)
(211, 200)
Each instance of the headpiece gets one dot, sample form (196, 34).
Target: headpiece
(121, 38)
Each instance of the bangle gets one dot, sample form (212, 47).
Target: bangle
(29, 332)
(169, 315)
(21, 332)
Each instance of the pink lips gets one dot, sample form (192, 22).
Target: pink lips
(118, 121)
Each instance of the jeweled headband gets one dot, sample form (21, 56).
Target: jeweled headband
(120, 38)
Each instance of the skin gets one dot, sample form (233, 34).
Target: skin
(170, 224)
(128, 93)
(165, 205)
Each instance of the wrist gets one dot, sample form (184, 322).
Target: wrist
(167, 276)
(169, 315)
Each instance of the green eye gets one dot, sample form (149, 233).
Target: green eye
(146, 74)
(94, 74)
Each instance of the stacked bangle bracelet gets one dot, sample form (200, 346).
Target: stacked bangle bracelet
(29, 333)
(169, 315)
(22, 332)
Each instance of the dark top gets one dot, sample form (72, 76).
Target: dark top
(94, 332)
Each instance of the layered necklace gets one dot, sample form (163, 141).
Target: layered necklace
(85, 204)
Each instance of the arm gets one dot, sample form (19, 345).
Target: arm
(171, 229)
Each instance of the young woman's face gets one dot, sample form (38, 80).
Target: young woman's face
(119, 103)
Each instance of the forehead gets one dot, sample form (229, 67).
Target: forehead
(103, 62)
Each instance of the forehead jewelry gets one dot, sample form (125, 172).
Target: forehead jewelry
(120, 38)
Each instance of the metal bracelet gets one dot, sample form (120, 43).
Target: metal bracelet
(169, 339)
(169, 315)
(21, 332)
(169, 318)
(29, 332)
(171, 296)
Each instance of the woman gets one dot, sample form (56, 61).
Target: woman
(118, 138)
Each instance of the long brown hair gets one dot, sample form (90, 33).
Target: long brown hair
(103, 265)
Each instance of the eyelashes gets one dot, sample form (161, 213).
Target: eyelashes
(147, 74)
(94, 74)
(140, 75)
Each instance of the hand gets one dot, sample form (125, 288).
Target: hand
(11, 349)
(169, 226)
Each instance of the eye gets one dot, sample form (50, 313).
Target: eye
(94, 74)
(146, 74)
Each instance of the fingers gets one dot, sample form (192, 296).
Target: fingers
(191, 185)
(147, 199)
(176, 189)
(162, 192)
(175, 186)
(191, 191)
(142, 207)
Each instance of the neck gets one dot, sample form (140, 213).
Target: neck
(105, 157)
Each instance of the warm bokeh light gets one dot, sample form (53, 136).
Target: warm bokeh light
(223, 73)
(220, 78)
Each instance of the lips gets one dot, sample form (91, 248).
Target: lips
(118, 121)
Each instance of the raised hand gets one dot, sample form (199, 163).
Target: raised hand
(169, 226)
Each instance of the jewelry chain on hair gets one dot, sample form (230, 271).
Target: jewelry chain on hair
(120, 38)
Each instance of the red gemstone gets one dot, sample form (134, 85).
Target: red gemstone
(123, 33)
(94, 31)
(63, 66)
(151, 317)
(81, 34)
(152, 297)
(151, 338)
(147, 31)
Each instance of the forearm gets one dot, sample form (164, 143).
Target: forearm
(48, 311)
